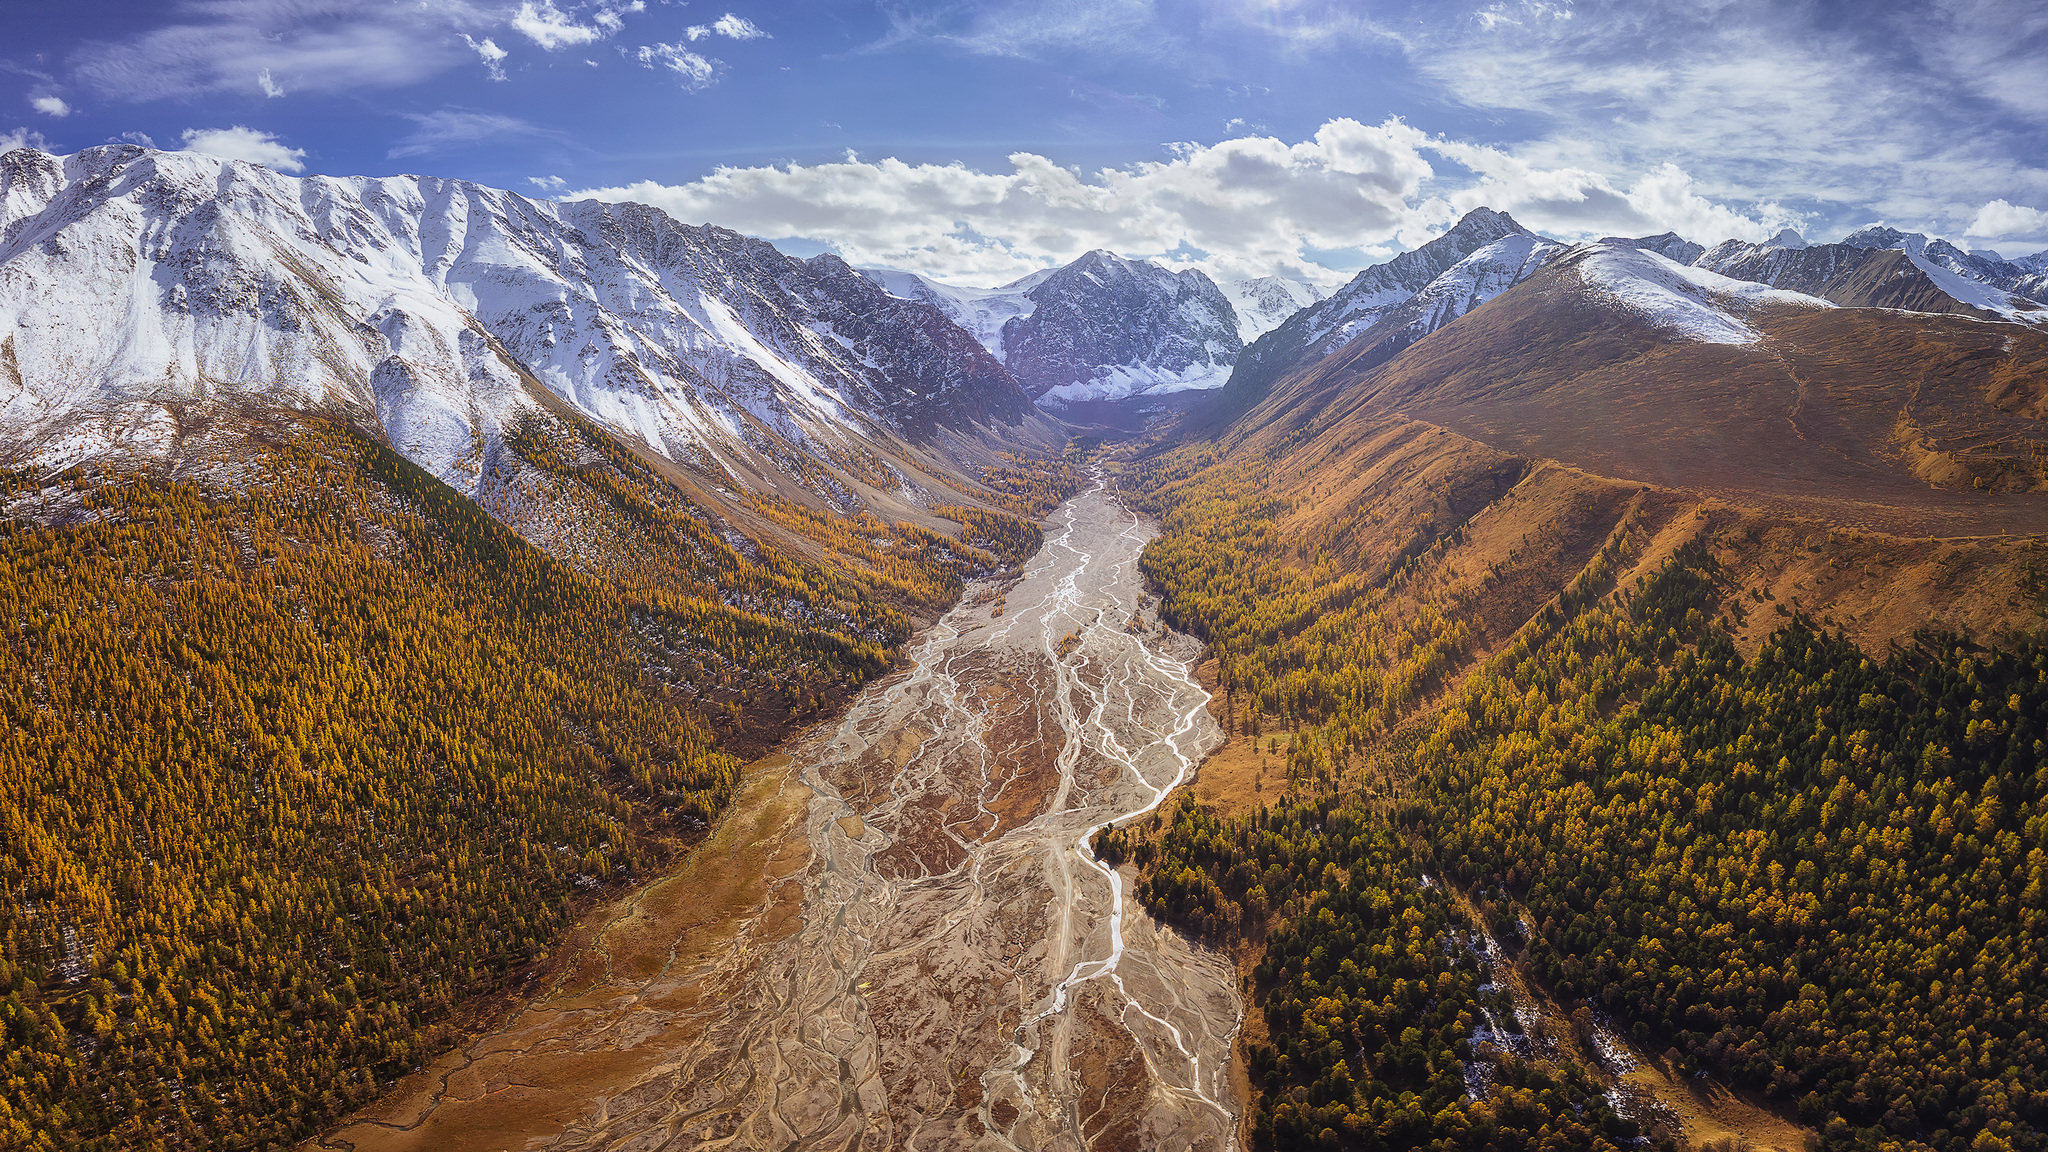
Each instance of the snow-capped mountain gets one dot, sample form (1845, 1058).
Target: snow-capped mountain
(1321, 329)
(1682, 302)
(2017, 278)
(1396, 303)
(981, 311)
(1486, 273)
(1107, 328)
(1880, 267)
(139, 287)
(1263, 303)
(1669, 244)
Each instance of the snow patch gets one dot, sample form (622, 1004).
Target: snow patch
(1121, 382)
(1691, 303)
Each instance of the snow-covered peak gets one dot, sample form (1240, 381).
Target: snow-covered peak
(1880, 236)
(981, 311)
(1954, 280)
(1786, 238)
(1264, 302)
(1106, 328)
(1687, 302)
(1479, 278)
(1371, 296)
(136, 284)
(1664, 244)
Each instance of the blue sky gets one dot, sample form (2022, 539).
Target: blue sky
(978, 140)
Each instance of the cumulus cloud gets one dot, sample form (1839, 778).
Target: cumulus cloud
(554, 29)
(488, 51)
(1576, 202)
(51, 106)
(142, 138)
(23, 138)
(730, 26)
(548, 184)
(1999, 219)
(454, 127)
(1251, 206)
(697, 72)
(240, 143)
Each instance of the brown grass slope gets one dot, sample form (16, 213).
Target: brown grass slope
(1365, 536)
(1906, 423)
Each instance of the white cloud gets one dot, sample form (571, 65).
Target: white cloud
(737, 27)
(1251, 206)
(239, 143)
(23, 138)
(271, 89)
(452, 127)
(51, 106)
(550, 27)
(698, 72)
(142, 138)
(554, 29)
(1575, 202)
(730, 26)
(1757, 101)
(548, 184)
(324, 45)
(1999, 219)
(1029, 28)
(488, 51)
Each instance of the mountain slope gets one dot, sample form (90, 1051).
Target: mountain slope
(1322, 328)
(1634, 367)
(982, 312)
(1488, 271)
(443, 315)
(314, 748)
(1656, 611)
(1884, 269)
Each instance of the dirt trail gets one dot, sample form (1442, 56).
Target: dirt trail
(964, 973)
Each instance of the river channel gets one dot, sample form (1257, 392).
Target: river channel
(956, 969)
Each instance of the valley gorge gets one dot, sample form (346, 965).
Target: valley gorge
(486, 673)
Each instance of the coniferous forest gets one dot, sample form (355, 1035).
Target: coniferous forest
(303, 759)
(1814, 873)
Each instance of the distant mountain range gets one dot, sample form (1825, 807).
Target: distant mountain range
(445, 315)
(1106, 328)
(147, 295)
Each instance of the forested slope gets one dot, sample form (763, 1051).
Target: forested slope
(1756, 812)
(308, 749)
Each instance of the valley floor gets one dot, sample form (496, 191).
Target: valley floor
(897, 937)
